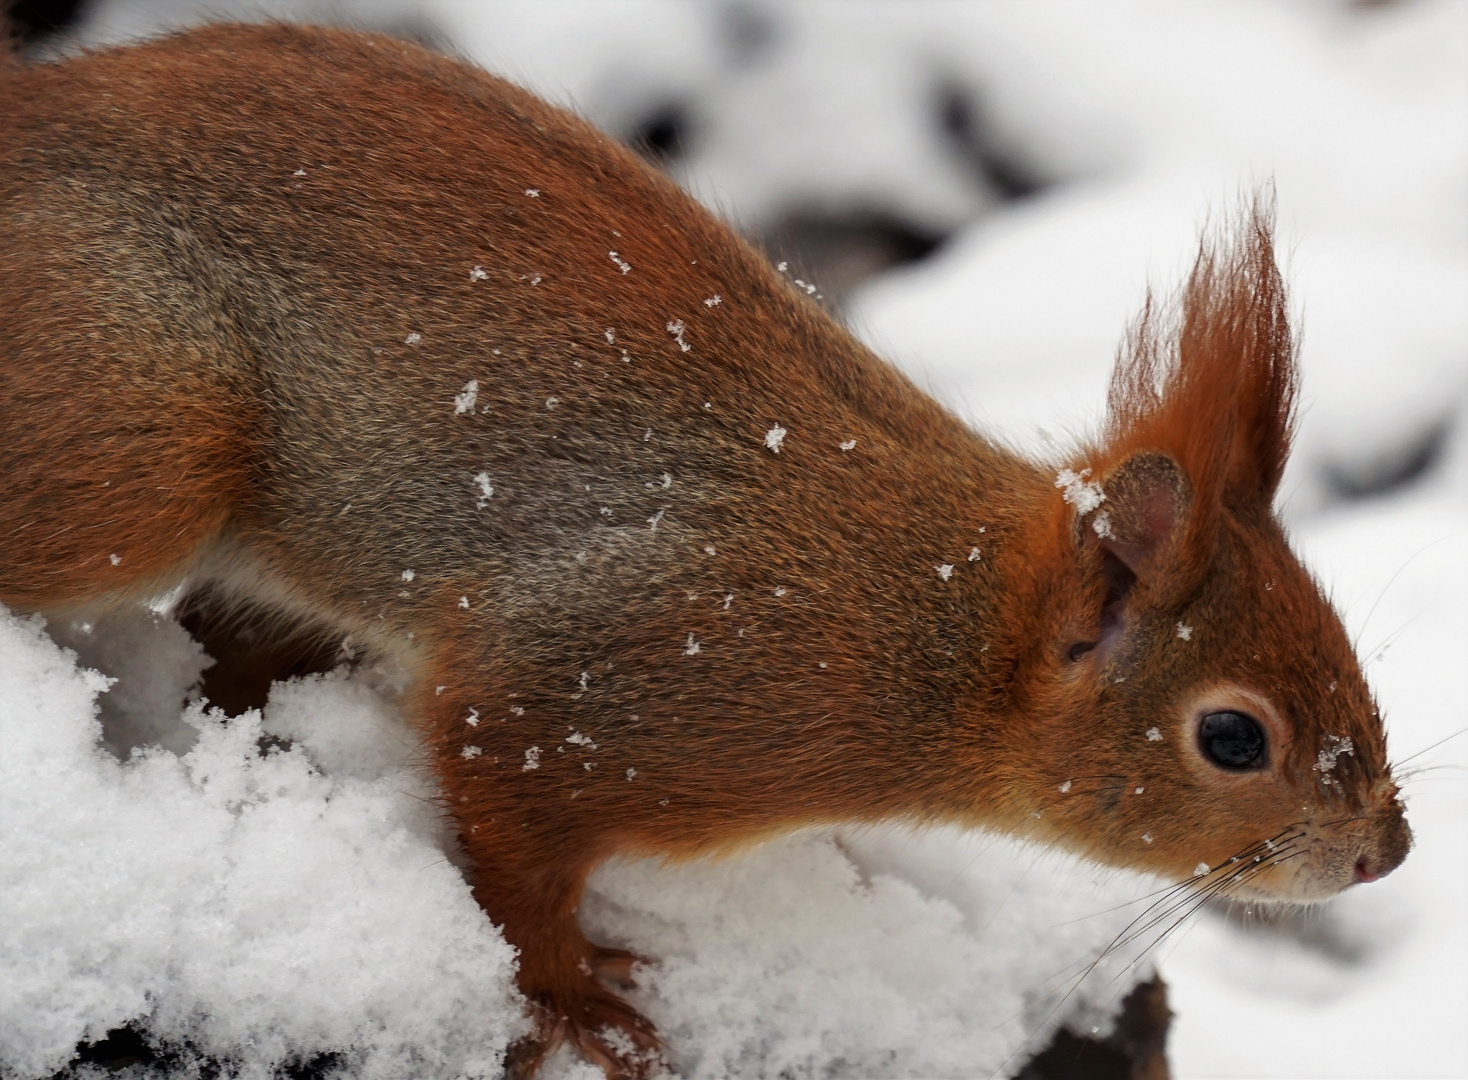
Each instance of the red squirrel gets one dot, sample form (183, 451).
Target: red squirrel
(331, 325)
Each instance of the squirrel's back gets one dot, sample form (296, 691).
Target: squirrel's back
(319, 275)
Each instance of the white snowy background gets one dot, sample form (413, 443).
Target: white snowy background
(156, 869)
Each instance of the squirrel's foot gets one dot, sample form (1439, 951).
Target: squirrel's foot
(601, 1026)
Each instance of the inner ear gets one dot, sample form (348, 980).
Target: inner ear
(1119, 582)
(1143, 514)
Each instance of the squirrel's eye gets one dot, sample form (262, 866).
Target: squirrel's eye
(1232, 740)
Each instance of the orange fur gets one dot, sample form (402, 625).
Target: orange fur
(246, 271)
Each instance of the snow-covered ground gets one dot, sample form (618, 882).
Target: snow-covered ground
(277, 907)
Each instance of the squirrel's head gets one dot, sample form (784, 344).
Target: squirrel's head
(1199, 709)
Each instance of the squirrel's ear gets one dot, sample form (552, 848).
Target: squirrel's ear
(1138, 515)
(1145, 511)
(1210, 380)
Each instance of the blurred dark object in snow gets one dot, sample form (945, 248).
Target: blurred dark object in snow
(123, 1050)
(998, 166)
(749, 31)
(836, 254)
(1363, 480)
(838, 251)
(35, 20)
(662, 135)
(1135, 1050)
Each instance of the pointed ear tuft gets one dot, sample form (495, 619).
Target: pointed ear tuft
(1210, 380)
(1145, 510)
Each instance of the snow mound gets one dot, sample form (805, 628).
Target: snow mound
(882, 953)
(244, 904)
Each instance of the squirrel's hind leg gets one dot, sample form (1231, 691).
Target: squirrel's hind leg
(128, 433)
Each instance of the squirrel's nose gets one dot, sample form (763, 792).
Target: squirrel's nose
(1389, 848)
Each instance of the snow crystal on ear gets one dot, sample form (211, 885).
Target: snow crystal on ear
(1085, 495)
(775, 438)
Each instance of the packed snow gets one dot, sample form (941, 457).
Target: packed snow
(250, 905)
(279, 887)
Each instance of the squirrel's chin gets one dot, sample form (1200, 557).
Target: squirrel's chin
(1305, 885)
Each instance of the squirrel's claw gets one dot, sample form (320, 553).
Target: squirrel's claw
(615, 966)
(603, 1028)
